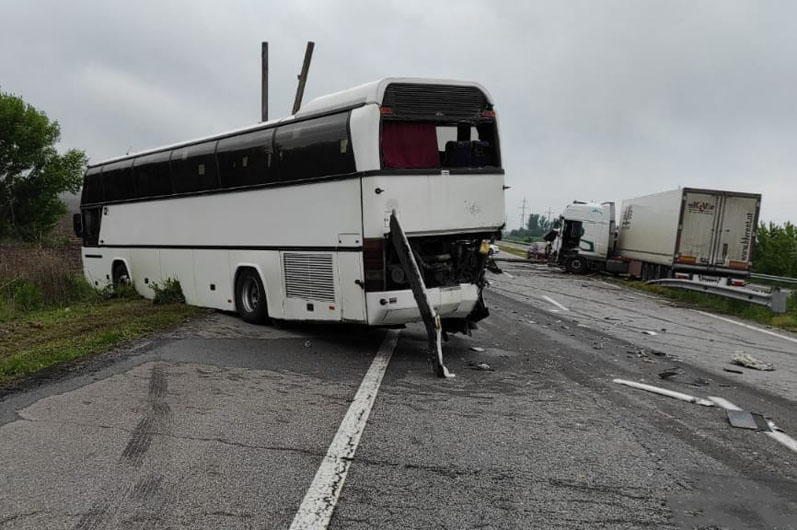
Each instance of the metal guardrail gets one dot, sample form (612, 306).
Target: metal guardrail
(775, 299)
(768, 277)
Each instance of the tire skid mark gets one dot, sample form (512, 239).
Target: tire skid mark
(157, 418)
(147, 489)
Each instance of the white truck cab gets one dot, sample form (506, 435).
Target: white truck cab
(585, 237)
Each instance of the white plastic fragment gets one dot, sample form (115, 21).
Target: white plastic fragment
(665, 392)
(477, 349)
(648, 332)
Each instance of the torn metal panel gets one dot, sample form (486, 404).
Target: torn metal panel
(431, 318)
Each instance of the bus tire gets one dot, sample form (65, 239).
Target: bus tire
(119, 274)
(250, 297)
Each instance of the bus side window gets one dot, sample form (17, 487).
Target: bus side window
(193, 168)
(314, 148)
(117, 181)
(152, 175)
(92, 217)
(246, 160)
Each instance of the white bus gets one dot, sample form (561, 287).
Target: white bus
(288, 219)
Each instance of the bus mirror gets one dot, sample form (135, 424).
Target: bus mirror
(77, 224)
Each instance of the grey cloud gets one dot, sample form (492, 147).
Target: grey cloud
(597, 100)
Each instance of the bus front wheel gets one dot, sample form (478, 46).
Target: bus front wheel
(250, 297)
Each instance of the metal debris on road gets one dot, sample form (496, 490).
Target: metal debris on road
(741, 419)
(648, 332)
(477, 349)
(748, 361)
(670, 372)
(481, 366)
(665, 392)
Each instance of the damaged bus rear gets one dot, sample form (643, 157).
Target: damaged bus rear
(428, 150)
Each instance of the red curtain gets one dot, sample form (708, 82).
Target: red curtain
(407, 145)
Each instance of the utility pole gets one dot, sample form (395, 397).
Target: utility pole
(548, 213)
(308, 54)
(264, 81)
(523, 214)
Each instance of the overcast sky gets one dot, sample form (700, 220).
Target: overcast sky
(597, 100)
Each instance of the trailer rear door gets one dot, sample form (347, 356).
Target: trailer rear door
(736, 231)
(699, 225)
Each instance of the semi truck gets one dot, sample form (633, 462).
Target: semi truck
(679, 233)
(584, 238)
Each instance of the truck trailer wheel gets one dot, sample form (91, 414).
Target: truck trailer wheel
(576, 265)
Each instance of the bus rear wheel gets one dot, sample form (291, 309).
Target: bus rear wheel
(119, 274)
(250, 297)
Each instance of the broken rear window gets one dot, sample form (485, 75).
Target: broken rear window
(431, 145)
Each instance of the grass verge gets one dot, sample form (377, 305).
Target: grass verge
(48, 337)
(755, 313)
(512, 250)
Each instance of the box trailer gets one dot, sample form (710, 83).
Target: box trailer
(688, 231)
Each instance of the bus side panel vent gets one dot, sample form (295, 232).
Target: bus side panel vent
(309, 276)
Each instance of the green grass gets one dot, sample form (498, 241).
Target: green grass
(512, 250)
(755, 313)
(48, 337)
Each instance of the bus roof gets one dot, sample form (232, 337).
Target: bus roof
(367, 93)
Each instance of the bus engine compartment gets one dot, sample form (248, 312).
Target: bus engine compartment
(444, 261)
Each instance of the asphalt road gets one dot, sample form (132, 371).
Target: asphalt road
(224, 425)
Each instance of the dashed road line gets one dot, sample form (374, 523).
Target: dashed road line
(778, 335)
(554, 302)
(321, 498)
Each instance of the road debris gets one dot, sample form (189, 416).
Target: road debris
(733, 371)
(665, 392)
(742, 419)
(477, 349)
(648, 332)
(481, 366)
(307, 344)
(597, 345)
(670, 372)
(748, 361)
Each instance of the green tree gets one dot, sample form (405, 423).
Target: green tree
(32, 172)
(775, 251)
(537, 225)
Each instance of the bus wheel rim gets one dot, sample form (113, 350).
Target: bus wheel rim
(250, 295)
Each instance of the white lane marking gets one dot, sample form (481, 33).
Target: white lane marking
(778, 335)
(776, 435)
(783, 438)
(322, 496)
(554, 302)
(509, 275)
(664, 392)
(724, 403)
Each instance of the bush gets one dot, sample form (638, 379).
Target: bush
(167, 292)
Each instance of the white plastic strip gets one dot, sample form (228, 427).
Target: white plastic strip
(778, 335)
(322, 496)
(665, 392)
(554, 302)
(508, 275)
(723, 403)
